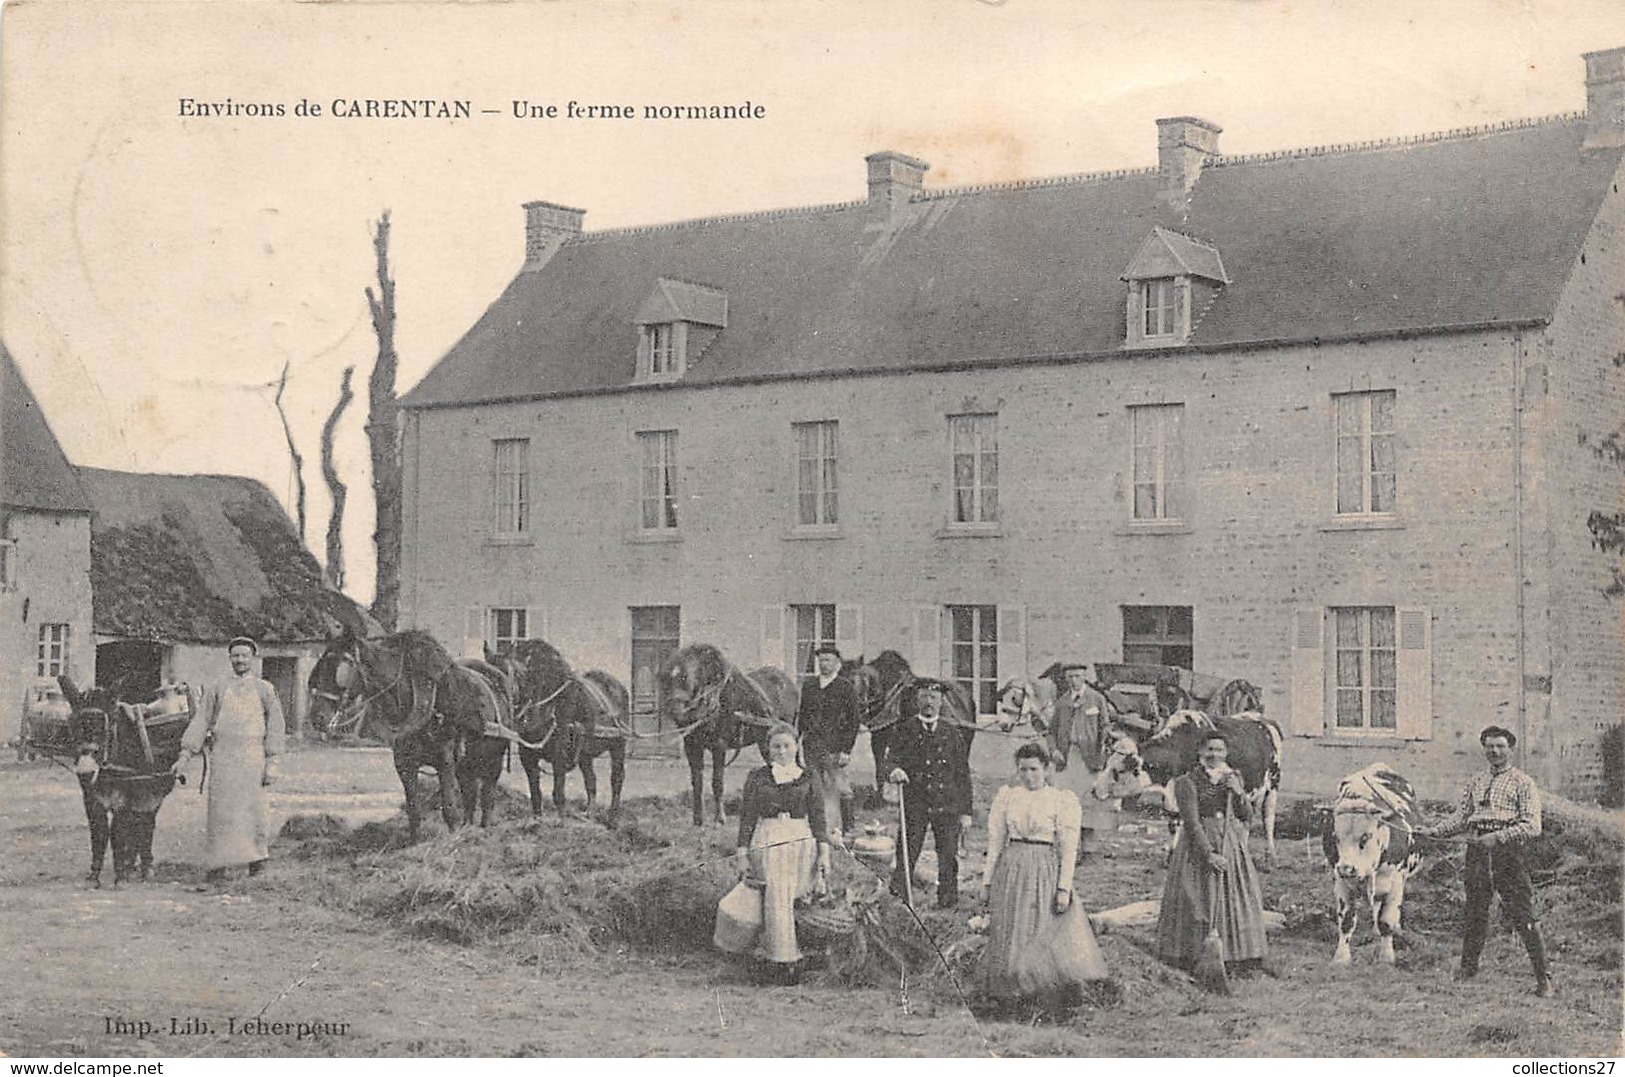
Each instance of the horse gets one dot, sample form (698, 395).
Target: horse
(123, 760)
(720, 709)
(426, 707)
(885, 687)
(565, 718)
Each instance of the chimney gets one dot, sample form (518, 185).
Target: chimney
(893, 179)
(1184, 144)
(1605, 98)
(547, 227)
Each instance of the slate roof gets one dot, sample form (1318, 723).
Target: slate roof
(1166, 253)
(1466, 229)
(34, 471)
(199, 558)
(684, 301)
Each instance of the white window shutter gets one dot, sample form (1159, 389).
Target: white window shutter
(535, 622)
(849, 631)
(772, 652)
(1415, 671)
(927, 658)
(1308, 673)
(1012, 643)
(474, 633)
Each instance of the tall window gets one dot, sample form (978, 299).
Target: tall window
(511, 485)
(1158, 636)
(508, 627)
(1365, 452)
(1366, 675)
(53, 650)
(815, 627)
(657, 496)
(1159, 307)
(816, 487)
(976, 468)
(1159, 461)
(654, 638)
(973, 652)
(664, 349)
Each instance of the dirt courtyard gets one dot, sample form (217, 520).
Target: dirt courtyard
(261, 969)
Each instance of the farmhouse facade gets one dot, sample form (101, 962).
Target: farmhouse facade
(1324, 419)
(45, 602)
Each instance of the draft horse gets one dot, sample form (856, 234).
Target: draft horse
(719, 709)
(123, 760)
(886, 695)
(433, 712)
(566, 718)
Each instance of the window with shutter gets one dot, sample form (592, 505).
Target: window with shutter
(1415, 661)
(1012, 643)
(771, 649)
(1308, 674)
(927, 658)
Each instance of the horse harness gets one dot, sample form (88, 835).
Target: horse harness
(708, 702)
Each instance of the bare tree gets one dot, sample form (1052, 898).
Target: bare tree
(298, 461)
(383, 438)
(335, 487)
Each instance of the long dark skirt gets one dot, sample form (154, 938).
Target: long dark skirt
(1031, 952)
(1182, 924)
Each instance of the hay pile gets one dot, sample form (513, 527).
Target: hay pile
(566, 885)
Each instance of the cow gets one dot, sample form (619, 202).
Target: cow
(122, 757)
(1371, 846)
(1255, 753)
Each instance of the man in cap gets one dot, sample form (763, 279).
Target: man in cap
(240, 724)
(929, 758)
(1501, 808)
(1080, 739)
(828, 720)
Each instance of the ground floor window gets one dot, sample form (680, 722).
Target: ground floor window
(973, 652)
(53, 650)
(508, 627)
(1366, 671)
(1158, 636)
(815, 627)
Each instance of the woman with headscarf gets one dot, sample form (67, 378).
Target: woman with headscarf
(1211, 878)
(1040, 946)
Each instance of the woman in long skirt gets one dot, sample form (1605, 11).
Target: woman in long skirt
(1040, 945)
(783, 846)
(1211, 874)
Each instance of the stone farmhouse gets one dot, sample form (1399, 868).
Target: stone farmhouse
(45, 602)
(1323, 418)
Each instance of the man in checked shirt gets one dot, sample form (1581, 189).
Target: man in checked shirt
(1501, 808)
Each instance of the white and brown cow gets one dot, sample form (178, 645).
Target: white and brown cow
(1372, 850)
(1255, 754)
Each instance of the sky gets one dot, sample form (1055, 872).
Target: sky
(158, 270)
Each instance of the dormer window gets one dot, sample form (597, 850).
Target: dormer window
(1158, 304)
(1171, 282)
(662, 344)
(676, 324)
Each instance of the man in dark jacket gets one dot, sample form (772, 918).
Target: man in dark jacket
(828, 720)
(929, 758)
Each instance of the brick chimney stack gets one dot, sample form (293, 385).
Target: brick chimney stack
(894, 178)
(547, 226)
(1184, 145)
(1605, 98)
